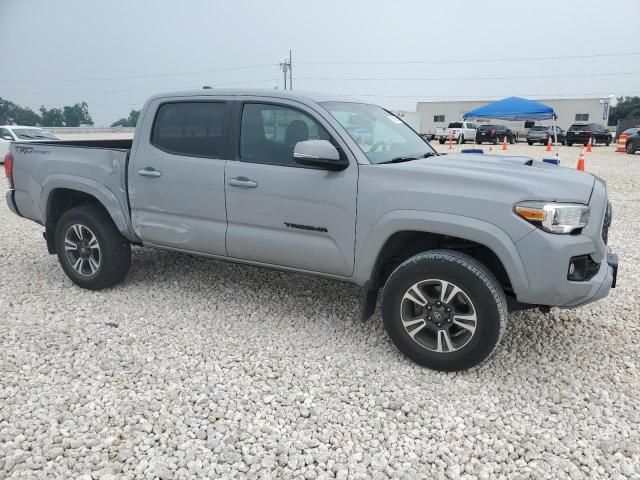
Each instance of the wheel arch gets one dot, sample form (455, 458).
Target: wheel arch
(401, 234)
(61, 193)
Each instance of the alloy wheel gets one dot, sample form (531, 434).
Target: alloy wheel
(82, 249)
(438, 315)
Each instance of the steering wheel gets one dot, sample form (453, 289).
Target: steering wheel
(376, 146)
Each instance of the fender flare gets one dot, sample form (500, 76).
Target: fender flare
(468, 228)
(91, 187)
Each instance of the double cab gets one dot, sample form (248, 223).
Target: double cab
(330, 187)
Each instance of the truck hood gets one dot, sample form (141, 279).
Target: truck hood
(521, 178)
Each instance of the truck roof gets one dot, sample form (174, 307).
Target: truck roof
(298, 95)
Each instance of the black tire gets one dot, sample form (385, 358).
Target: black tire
(511, 140)
(608, 141)
(113, 249)
(629, 147)
(479, 286)
(441, 141)
(462, 140)
(529, 142)
(569, 144)
(478, 142)
(495, 141)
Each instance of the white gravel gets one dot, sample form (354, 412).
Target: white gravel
(195, 368)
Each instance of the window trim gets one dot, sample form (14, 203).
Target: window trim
(576, 119)
(225, 155)
(444, 118)
(238, 133)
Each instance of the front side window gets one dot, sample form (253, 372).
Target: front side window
(380, 135)
(193, 129)
(269, 133)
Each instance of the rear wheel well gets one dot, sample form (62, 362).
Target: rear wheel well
(404, 245)
(61, 200)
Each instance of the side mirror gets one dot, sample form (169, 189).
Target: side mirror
(320, 154)
(8, 137)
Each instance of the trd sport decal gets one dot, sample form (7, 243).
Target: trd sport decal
(306, 227)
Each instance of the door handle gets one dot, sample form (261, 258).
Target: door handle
(150, 172)
(242, 182)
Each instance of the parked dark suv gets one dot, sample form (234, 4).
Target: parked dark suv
(581, 132)
(633, 143)
(542, 134)
(494, 134)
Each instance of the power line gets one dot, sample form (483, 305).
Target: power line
(128, 90)
(486, 60)
(156, 75)
(514, 77)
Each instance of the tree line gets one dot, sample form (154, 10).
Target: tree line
(66, 116)
(627, 107)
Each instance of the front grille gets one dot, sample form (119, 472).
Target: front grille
(606, 223)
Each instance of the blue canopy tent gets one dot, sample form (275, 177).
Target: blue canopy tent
(516, 108)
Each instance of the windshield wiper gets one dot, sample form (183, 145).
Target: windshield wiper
(408, 159)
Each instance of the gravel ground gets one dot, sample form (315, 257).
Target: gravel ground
(197, 368)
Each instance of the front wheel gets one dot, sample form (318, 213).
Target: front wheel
(91, 250)
(629, 148)
(444, 310)
(608, 141)
(462, 140)
(441, 141)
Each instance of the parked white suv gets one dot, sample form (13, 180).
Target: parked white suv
(460, 132)
(17, 133)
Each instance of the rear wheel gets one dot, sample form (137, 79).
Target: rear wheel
(441, 141)
(608, 141)
(569, 144)
(529, 142)
(630, 148)
(91, 250)
(444, 310)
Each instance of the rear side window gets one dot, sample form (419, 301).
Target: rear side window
(193, 129)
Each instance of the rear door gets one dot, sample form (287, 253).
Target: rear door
(283, 213)
(176, 176)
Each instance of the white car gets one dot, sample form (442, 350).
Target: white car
(17, 133)
(460, 132)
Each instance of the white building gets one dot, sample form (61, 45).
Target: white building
(569, 110)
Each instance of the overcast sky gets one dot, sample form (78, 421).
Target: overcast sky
(114, 54)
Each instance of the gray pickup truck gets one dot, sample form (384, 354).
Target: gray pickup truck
(329, 187)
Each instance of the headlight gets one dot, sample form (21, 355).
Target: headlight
(554, 217)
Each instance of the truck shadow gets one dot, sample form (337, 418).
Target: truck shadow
(533, 338)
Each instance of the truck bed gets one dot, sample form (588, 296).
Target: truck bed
(95, 167)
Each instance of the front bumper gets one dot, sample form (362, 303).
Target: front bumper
(546, 258)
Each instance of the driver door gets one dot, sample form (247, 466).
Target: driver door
(282, 213)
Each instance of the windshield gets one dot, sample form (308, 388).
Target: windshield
(380, 135)
(31, 133)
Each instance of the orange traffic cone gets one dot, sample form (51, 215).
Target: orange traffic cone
(450, 141)
(581, 160)
(504, 143)
(549, 145)
(589, 145)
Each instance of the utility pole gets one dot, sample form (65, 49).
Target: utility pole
(285, 65)
(290, 72)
